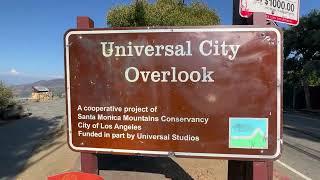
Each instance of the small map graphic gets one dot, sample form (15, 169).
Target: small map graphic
(248, 133)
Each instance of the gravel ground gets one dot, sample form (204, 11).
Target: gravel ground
(44, 155)
(35, 147)
(20, 139)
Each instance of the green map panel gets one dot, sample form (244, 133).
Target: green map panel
(248, 133)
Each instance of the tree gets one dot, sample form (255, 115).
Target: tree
(162, 13)
(6, 97)
(302, 52)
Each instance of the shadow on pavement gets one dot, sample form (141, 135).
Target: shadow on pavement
(302, 127)
(20, 139)
(157, 165)
(296, 132)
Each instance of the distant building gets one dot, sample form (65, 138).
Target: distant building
(41, 93)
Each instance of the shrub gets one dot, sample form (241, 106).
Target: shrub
(162, 13)
(6, 96)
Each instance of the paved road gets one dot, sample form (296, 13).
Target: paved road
(19, 139)
(301, 152)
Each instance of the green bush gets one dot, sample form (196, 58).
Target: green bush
(162, 13)
(6, 96)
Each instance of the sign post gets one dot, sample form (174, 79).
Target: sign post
(212, 92)
(89, 161)
(244, 170)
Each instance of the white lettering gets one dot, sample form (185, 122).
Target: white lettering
(136, 74)
(201, 47)
(133, 74)
(206, 48)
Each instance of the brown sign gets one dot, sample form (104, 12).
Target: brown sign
(200, 92)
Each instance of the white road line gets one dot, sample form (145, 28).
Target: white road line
(293, 170)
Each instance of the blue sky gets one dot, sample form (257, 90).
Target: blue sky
(31, 41)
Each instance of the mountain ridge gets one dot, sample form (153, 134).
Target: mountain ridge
(253, 134)
(57, 86)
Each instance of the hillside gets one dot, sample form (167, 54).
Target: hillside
(24, 90)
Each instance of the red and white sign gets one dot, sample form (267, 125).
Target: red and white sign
(284, 11)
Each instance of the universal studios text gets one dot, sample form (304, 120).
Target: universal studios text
(205, 48)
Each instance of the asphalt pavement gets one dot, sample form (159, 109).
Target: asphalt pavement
(301, 151)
